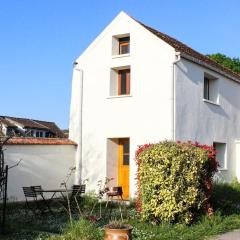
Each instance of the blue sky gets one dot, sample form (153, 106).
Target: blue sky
(39, 41)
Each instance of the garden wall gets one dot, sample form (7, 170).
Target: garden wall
(44, 162)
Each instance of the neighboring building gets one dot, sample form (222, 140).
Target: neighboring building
(45, 153)
(29, 128)
(134, 85)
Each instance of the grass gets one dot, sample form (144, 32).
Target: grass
(225, 200)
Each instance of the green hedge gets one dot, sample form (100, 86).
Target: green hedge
(174, 180)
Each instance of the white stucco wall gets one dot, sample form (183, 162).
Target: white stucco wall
(198, 120)
(144, 116)
(238, 159)
(45, 165)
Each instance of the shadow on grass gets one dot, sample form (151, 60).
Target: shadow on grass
(226, 198)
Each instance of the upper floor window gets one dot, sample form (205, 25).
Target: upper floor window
(124, 45)
(39, 134)
(124, 82)
(120, 81)
(121, 44)
(210, 88)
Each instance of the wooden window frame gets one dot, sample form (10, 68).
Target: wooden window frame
(123, 43)
(127, 81)
(122, 142)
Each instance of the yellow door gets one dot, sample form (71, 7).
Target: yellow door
(123, 166)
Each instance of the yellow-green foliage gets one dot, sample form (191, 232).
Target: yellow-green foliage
(172, 179)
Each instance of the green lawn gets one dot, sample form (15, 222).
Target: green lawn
(226, 202)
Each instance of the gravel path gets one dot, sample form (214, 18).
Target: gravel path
(234, 235)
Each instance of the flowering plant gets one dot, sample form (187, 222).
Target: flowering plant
(174, 180)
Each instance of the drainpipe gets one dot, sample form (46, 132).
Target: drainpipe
(78, 128)
(173, 110)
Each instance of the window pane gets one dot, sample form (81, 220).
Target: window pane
(221, 154)
(124, 49)
(206, 88)
(126, 147)
(124, 39)
(124, 45)
(126, 159)
(123, 82)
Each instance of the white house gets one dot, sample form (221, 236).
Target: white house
(134, 85)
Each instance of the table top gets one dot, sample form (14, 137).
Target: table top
(54, 190)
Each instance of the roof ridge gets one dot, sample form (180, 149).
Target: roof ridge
(35, 120)
(39, 123)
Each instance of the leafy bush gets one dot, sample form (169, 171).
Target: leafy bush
(81, 229)
(174, 180)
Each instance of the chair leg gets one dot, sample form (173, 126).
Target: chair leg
(30, 208)
(45, 202)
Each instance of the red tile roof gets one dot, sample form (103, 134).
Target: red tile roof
(186, 50)
(40, 141)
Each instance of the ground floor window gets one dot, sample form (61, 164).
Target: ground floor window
(221, 150)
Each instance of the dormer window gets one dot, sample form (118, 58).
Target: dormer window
(124, 45)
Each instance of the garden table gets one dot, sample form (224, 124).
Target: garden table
(54, 192)
(62, 200)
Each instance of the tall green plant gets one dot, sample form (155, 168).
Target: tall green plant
(231, 63)
(174, 180)
(82, 229)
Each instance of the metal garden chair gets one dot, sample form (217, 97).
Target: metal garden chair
(115, 194)
(31, 198)
(76, 196)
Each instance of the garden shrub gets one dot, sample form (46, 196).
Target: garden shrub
(174, 180)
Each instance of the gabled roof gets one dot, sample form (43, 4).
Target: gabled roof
(6, 122)
(32, 124)
(26, 123)
(191, 54)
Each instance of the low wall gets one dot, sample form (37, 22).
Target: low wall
(43, 163)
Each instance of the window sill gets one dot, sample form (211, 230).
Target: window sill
(211, 102)
(222, 169)
(119, 96)
(121, 55)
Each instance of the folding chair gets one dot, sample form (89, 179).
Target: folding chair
(117, 193)
(32, 202)
(37, 189)
(114, 192)
(77, 191)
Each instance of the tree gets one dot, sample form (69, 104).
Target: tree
(231, 63)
